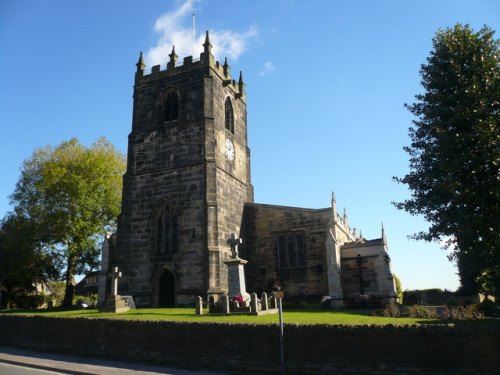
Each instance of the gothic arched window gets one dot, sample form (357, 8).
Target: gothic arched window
(290, 251)
(171, 107)
(166, 232)
(229, 115)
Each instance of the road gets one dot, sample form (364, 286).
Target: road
(10, 369)
(15, 361)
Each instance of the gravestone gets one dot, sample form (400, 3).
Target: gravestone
(211, 304)
(274, 303)
(129, 301)
(263, 301)
(199, 306)
(225, 304)
(254, 305)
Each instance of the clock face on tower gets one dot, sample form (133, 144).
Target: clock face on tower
(229, 149)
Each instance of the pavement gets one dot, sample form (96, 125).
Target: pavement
(69, 364)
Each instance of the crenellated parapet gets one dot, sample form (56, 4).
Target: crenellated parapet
(341, 223)
(206, 61)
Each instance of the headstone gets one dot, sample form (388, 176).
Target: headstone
(264, 304)
(130, 301)
(253, 302)
(225, 304)
(211, 304)
(199, 306)
(274, 304)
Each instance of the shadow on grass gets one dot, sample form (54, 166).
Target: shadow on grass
(56, 310)
(487, 323)
(363, 312)
(138, 312)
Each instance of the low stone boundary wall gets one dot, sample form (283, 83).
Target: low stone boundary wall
(254, 349)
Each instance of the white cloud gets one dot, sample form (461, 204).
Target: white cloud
(268, 67)
(175, 29)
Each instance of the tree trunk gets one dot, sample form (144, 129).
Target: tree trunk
(1, 287)
(68, 279)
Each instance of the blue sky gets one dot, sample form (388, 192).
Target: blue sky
(326, 82)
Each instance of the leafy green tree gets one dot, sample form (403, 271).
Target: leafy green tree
(73, 195)
(455, 153)
(24, 262)
(399, 288)
(56, 290)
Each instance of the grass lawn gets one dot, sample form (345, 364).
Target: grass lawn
(310, 316)
(290, 316)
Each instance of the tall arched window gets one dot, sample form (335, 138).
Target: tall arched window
(171, 107)
(166, 232)
(229, 115)
(290, 251)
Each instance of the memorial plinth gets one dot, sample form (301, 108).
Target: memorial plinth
(115, 304)
(236, 278)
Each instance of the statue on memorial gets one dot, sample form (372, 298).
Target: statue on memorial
(233, 242)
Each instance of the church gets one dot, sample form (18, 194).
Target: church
(188, 189)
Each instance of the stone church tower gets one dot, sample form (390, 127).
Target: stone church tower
(187, 189)
(187, 179)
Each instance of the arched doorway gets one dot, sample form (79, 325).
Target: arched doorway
(166, 290)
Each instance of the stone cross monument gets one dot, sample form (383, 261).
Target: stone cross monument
(233, 242)
(114, 302)
(236, 271)
(114, 281)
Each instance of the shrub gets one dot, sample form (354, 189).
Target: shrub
(489, 308)
(90, 300)
(391, 310)
(399, 288)
(423, 312)
(56, 292)
(20, 298)
(465, 312)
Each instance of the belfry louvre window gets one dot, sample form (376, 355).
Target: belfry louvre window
(166, 233)
(290, 251)
(171, 107)
(229, 115)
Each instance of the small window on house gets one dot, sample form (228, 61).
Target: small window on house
(229, 115)
(171, 107)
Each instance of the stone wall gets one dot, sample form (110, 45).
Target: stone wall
(378, 280)
(263, 224)
(251, 349)
(351, 280)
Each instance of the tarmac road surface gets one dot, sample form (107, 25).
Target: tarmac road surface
(10, 369)
(15, 361)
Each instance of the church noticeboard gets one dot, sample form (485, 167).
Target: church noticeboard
(279, 294)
